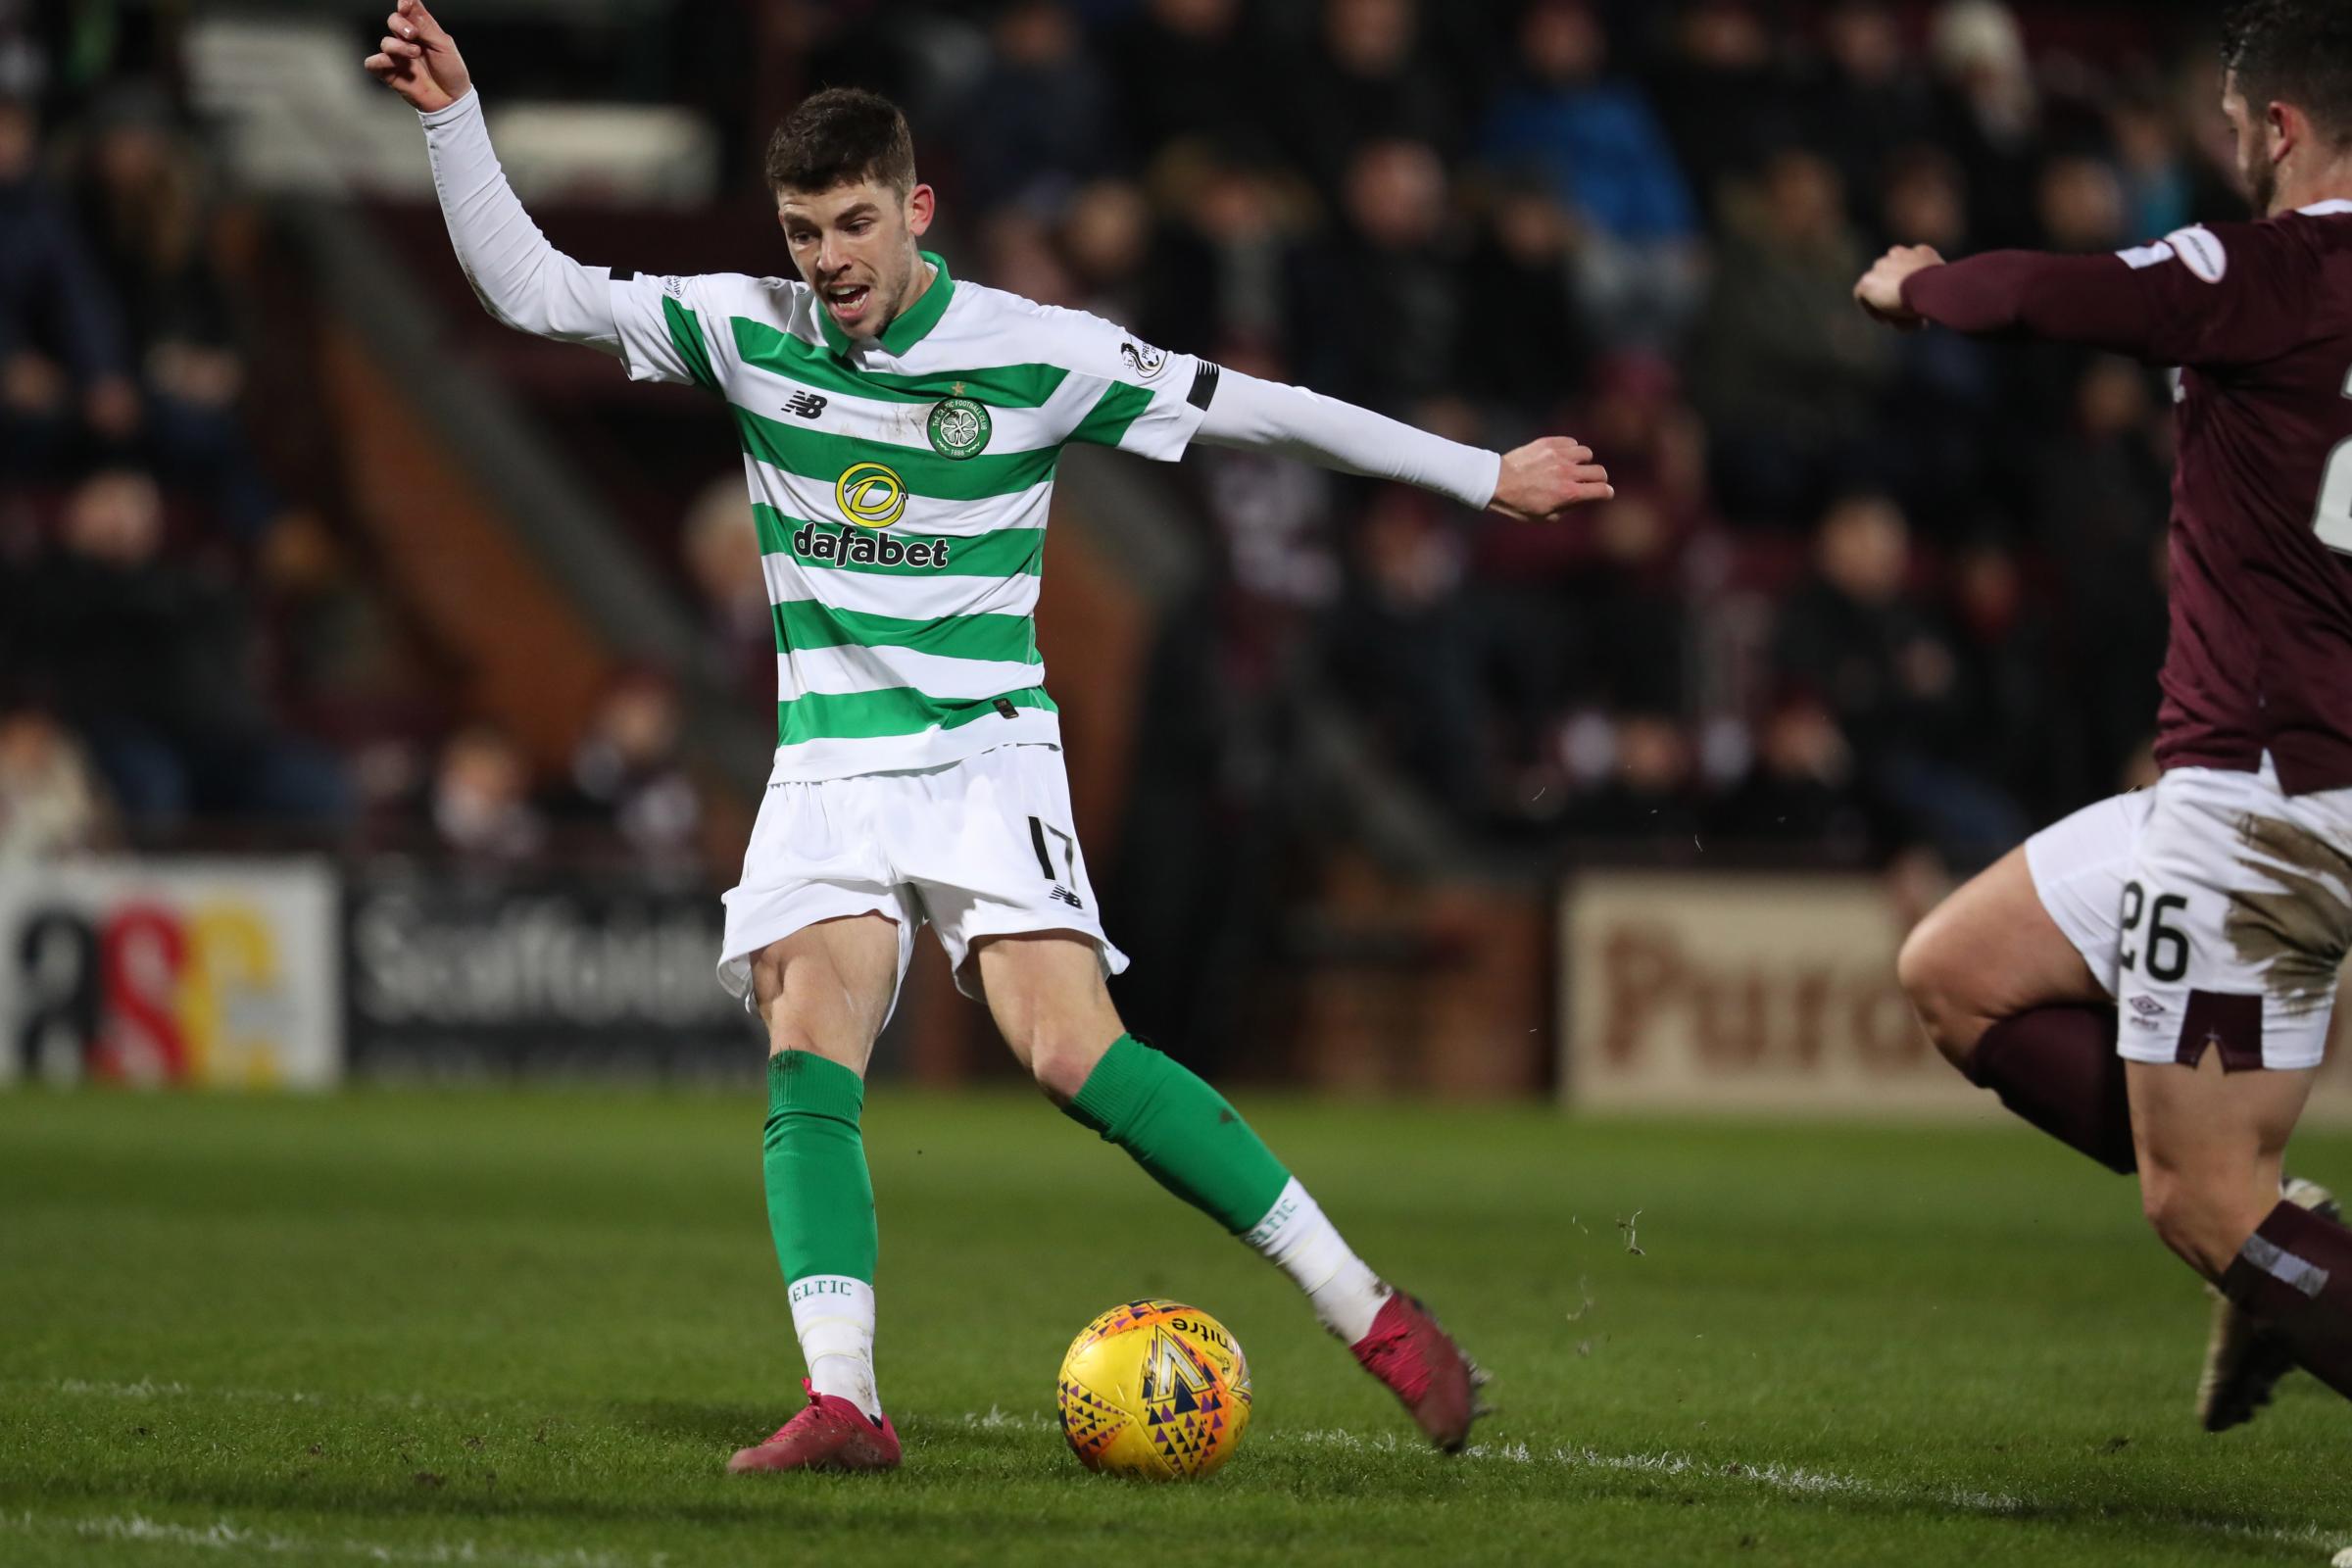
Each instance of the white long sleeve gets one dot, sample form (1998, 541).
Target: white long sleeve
(521, 280)
(1246, 411)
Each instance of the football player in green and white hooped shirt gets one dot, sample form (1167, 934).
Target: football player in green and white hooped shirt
(899, 429)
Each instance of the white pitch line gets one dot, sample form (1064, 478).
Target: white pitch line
(1794, 1479)
(153, 1388)
(1791, 1480)
(223, 1534)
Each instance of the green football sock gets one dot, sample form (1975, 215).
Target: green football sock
(1183, 1132)
(820, 1200)
(821, 1210)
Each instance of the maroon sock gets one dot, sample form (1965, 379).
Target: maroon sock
(2057, 1068)
(2295, 1274)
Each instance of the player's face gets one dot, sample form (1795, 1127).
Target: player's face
(855, 245)
(2254, 166)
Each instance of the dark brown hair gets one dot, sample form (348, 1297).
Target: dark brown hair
(2297, 52)
(842, 136)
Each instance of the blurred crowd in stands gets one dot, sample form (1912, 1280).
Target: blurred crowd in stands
(191, 652)
(1859, 591)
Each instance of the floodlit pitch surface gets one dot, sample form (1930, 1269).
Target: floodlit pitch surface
(527, 1330)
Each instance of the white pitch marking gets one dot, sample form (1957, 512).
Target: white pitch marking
(1795, 1480)
(223, 1534)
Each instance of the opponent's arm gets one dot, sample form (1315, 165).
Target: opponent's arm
(1538, 480)
(2227, 294)
(521, 280)
(2010, 294)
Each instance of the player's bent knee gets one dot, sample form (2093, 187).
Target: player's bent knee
(790, 1030)
(1063, 1064)
(1934, 976)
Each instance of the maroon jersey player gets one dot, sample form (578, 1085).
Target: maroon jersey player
(2150, 980)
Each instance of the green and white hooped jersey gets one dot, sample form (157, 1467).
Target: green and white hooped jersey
(901, 486)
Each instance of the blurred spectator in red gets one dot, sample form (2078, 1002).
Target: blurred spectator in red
(153, 663)
(1275, 533)
(63, 359)
(480, 804)
(1789, 371)
(50, 804)
(628, 772)
(1595, 140)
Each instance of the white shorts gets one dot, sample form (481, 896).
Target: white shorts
(2214, 909)
(979, 848)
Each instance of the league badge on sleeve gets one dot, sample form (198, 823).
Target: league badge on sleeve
(1147, 361)
(958, 428)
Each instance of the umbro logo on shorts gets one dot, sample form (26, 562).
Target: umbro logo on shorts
(808, 405)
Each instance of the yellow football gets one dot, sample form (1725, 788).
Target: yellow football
(1156, 1390)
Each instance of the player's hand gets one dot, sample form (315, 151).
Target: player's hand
(418, 60)
(1881, 291)
(1545, 478)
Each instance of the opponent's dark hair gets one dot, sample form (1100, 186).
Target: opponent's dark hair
(838, 137)
(2297, 52)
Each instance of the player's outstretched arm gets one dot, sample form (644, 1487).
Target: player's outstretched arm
(521, 280)
(1540, 479)
(2125, 304)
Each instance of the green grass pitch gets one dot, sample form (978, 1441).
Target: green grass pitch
(526, 1329)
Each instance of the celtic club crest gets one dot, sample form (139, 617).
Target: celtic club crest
(960, 427)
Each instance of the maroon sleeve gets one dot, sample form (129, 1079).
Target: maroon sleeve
(2026, 294)
(2228, 294)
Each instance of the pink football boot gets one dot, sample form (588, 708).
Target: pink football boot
(831, 1433)
(1409, 1350)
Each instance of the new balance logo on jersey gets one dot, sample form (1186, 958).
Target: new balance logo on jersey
(808, 405)
(1063, 895)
